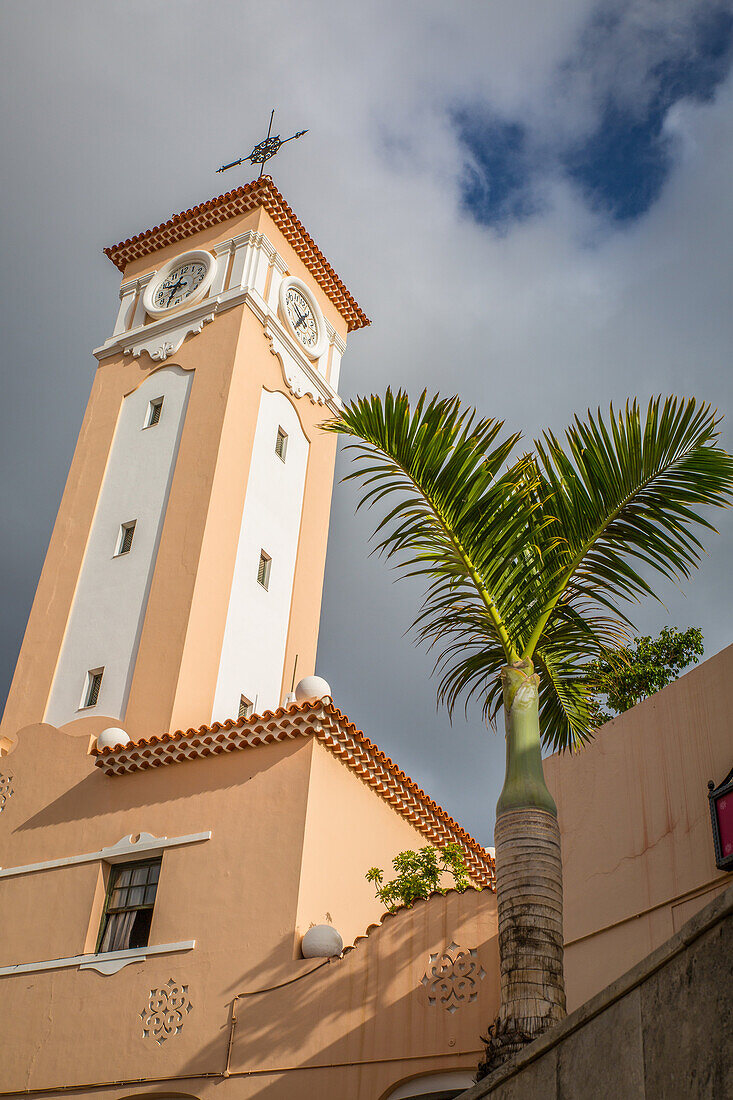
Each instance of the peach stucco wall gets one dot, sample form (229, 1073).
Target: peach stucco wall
(637, 844)
(337, 852)
(175, 673)
(240, 896)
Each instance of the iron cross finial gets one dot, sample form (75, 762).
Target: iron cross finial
(265, 149)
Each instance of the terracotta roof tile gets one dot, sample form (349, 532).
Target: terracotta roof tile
(261, 192)
(336, 733)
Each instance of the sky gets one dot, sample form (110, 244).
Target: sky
(531, 200)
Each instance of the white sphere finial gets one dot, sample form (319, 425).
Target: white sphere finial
(321, 942)
(112, 738)
(311, 688)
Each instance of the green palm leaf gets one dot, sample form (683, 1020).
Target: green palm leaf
(533, 557)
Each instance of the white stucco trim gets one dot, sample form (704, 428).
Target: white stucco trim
(251, 658)
(108, 963)
(433, 1082)
(106, 618)
(253, 260)
(164, 337)
(124, 850)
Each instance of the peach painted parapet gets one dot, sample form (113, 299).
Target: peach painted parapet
(259, 193)
(422, 985)
(257, 843)
(335, 732)
(637, 846)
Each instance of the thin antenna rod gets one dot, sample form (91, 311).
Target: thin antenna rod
(292, 682)
(269, 131)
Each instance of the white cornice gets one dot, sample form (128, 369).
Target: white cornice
(301, 376)
(108, 962)
(163, 338)
(123, 850)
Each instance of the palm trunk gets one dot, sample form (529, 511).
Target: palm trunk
(528, 875)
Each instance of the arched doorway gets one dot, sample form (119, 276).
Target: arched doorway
(434, 1086)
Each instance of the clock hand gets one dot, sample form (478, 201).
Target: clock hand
(174, 291)
(301, 318)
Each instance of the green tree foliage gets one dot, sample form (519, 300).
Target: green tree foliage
(629, 674)
(419, 875)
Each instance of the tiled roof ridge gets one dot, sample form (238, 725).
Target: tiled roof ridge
(388, 914)
(339, 735)
(259, 192)
(482, 865)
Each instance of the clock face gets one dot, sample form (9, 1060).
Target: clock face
(179, 284)
(300, 315)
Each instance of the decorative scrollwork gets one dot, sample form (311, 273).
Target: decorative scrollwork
(6, 789)
(166, 1011)
(452, 978)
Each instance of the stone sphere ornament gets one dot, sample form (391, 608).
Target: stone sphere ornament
(321, 942)
(113, 737)
(312, 688)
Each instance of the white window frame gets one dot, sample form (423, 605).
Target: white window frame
(281, 443)
(150, 421)
(88, 688)
(266, 561)
(130, 525)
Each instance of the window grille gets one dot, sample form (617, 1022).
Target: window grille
(127, 530)
(281, 444)
(246, 708)
(94, 683)
(128, 911)
(154, 410)
(263, 570)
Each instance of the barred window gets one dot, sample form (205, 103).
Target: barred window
(281, 443)
(263, 570)
(246, 707)
(124, 543)
(94, 684)
(128, 912)
(154, 410)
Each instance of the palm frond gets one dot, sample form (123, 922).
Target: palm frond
(630, 496)
(533, 556)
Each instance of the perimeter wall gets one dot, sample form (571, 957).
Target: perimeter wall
(664, 1031)
(637, 846)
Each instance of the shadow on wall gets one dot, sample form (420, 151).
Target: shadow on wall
(97, 795)
(366, 1018)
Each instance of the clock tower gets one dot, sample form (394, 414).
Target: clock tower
(183, 580)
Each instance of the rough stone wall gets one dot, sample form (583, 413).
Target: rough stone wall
(664, 1031)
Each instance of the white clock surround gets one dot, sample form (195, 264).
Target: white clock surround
(291, 283)
(247, 269)
(193, 256)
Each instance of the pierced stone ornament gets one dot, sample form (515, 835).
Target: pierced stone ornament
(166, 1011)
(452, 978)
(6, 790)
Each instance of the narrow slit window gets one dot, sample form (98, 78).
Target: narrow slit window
(128, 911)
(154, 410)
(124, 542)
(281, 444)
(246, 707)
(93, 686)
(263, 570)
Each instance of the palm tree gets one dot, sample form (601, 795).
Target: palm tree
(527, 565)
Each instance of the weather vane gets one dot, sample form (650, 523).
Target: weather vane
(265, 150)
